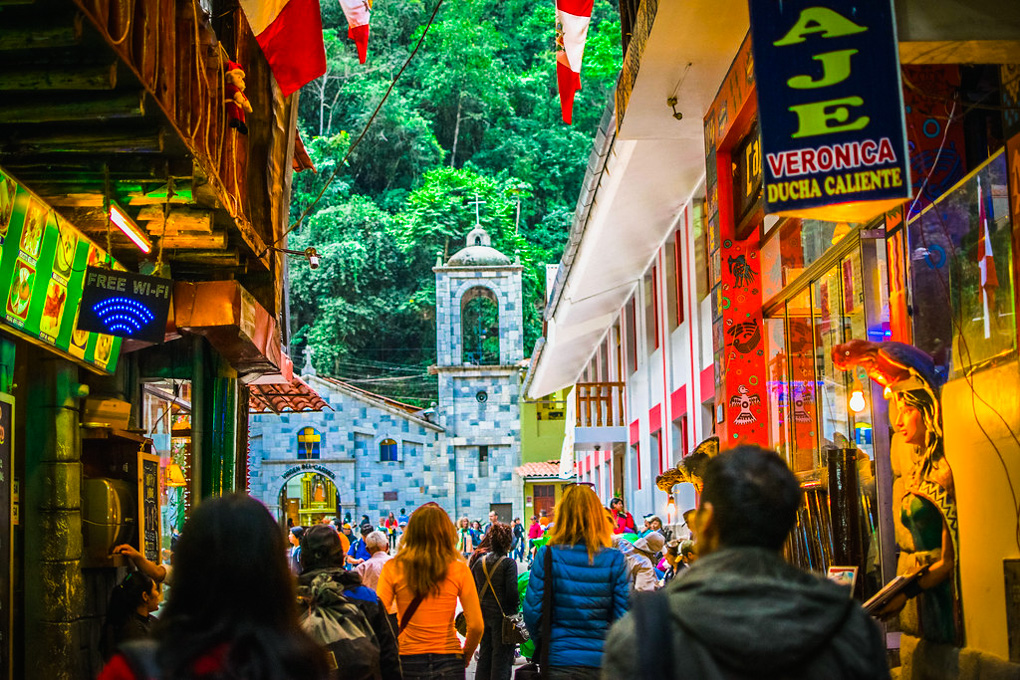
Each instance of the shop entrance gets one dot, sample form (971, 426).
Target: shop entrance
(308, 499)
(835, 291)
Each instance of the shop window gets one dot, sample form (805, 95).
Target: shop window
(308, 441)
(672, 298)
(388, 451)
(630, 326)
(651, 295)
(961, 260)
(702, 253)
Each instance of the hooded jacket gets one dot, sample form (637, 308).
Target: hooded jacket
(746, 613)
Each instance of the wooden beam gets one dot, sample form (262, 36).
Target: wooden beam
(81, 141)
(95, 200)
(23, 79)
(214, 241)
(42, 36)
(179, 219)
(208, 258)
(62, 108)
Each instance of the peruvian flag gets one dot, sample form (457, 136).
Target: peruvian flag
(986, 263)
(290, 34)
(572, 19)
(358, 13)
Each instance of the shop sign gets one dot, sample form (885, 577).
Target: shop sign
(830, 107)
(124, 304)
(42, 270)
(308, 467)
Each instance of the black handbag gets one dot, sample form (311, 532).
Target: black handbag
(514, 631)
(533, 671)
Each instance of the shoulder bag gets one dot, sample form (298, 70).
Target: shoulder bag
(533, 671)
(409, 612)
(514, 630)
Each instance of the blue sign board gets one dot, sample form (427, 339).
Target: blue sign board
(124, 304)
(830, 106)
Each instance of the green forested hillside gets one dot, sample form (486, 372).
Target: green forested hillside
(476, 112)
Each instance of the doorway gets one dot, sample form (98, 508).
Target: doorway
(545, 499)
(504, 511)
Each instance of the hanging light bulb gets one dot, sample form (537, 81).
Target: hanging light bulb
(670, 510)
(857, 402)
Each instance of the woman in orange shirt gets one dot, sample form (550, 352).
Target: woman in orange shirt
(426, 578)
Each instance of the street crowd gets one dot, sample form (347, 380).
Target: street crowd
(415, 596)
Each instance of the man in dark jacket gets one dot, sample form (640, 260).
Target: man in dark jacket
(322, 553)
(742, 611)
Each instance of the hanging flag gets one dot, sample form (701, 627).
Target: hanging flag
(986, 264)
(358, 13)
(290, 34)
(572, 19)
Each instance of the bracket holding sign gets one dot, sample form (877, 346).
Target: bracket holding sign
(125, 304)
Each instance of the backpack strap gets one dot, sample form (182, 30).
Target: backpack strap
(409, 612)
(653, 626)
(141, 658)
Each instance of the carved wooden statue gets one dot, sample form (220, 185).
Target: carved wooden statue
(924, 499)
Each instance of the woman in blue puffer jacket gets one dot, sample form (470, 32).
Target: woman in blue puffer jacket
(590, 587)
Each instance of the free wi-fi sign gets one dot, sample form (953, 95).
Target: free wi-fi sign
(124, 304)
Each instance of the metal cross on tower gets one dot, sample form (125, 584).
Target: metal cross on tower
(477, 203)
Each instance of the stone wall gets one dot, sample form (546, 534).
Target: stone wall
(349, 454)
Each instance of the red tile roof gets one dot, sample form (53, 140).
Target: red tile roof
(548, 469)
(295, 396)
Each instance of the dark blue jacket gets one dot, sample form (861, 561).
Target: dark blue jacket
(587, 599)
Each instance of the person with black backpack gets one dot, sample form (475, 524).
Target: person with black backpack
(343, 615)
(742, 612)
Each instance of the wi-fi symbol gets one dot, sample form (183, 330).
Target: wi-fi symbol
(123, 315)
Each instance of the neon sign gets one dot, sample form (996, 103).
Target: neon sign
(125, 305)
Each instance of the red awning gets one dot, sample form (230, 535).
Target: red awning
(295, 396)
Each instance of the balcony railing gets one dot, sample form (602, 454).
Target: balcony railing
(600, 404)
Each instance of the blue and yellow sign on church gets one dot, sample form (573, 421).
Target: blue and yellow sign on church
(830, 104)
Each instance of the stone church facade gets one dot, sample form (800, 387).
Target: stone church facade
(378, 455)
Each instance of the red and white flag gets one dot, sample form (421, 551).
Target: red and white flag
(290, 34)
(986, 264)
(572, 19)
(358, 13)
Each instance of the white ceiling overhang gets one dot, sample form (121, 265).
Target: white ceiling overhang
(654, 166)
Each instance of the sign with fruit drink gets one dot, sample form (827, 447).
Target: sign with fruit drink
(42, 268)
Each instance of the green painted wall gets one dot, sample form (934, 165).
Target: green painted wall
(542, 433)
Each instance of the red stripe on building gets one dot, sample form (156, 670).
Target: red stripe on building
(678, 402)
(655, 418)
(708, 384)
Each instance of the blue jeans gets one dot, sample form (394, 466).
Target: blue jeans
(495, 659)
(432, 666)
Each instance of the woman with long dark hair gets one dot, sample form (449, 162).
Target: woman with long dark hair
(233, 610)
(129, 613)
(590, 588)
(426, 578)
(496, 580)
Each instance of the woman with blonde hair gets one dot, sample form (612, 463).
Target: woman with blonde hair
(426, 578)
(590, 590)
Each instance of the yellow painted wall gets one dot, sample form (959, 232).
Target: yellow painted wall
(987, 518)
(541, 437)
(529, 507)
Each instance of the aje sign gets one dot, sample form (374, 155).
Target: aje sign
(124, 304)
(830, 107)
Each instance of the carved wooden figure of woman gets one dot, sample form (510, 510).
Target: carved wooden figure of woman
(924, 501)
